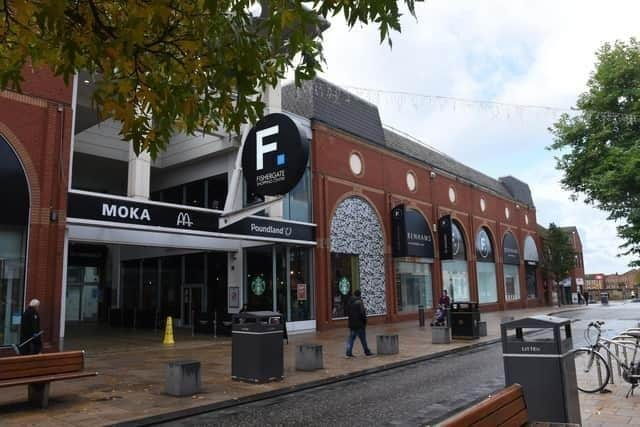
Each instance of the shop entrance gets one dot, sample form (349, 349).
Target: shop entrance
(134, 287)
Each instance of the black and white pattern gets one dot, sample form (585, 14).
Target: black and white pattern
(355, 229)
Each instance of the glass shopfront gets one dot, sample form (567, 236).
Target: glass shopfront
(531, 266)
(455, 275)
(14, 221)
(413, 285)
(412, 249)
(486, 268)
(289, 268)
(345, 277)
(511, 269)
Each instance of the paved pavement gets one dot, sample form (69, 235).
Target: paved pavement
(132, 375)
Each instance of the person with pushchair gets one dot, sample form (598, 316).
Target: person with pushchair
(30, 333)
(440, 317)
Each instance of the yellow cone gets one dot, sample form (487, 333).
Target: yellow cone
(168, 332)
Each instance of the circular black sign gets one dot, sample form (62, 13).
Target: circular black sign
(484, 249)
(275, 156)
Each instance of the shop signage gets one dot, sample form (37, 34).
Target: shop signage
(258, 285)
(411, 234)
(275, 156)
(450, 240)
(484, 249)
(301, 291)
(116, 210)
(344, 286)
(511, 254)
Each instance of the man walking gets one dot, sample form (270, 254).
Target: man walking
(357, 324)
(30, 329)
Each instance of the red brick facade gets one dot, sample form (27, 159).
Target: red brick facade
(37, 125)
(383, 184)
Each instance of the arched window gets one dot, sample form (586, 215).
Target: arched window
(511, 262)
(486, 267)
(357, 256)
(455, 277)
(14, 222)
(531, 259)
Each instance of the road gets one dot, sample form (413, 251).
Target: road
(414, 395)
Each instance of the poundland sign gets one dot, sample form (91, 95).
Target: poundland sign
(275, 156)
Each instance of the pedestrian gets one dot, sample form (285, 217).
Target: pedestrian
(444, 303)
(585, 296)
(357, 323)
(30, 333)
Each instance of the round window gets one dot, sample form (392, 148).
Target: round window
(506, 212)
(483, 204)
(452, 195)
(355, 163)
(411, 181)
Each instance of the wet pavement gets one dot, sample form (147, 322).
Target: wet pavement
(132, 367)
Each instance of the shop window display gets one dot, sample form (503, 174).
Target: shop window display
(345, 278)
(413, 285)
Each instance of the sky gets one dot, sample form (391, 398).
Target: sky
(537, 53)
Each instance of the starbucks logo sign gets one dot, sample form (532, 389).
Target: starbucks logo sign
(258, 285)
(344, 286)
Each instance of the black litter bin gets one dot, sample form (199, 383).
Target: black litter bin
(604, 298)
(542, 363)
(465, 319)
(256, 346)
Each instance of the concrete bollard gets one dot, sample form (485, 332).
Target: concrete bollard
(183, 378)
(387, 344)
(482, 328)
(309, 357)
(440, 335)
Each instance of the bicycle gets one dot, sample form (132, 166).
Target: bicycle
(593, 372)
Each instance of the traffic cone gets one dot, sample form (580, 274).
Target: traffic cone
(168, 332)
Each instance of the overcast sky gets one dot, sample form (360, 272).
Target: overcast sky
(511, 51)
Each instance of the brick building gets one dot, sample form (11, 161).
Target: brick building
(459, 229)
(35, 134)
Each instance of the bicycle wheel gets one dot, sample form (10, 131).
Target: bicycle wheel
(592, 370)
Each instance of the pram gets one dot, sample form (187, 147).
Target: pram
(440, 317)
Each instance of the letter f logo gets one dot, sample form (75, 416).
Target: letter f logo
(261, 148)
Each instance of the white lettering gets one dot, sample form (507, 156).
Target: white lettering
(184, 220)
(108, 210)
(125, 212)
(261, 148)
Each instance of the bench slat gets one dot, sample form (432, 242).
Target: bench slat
(46, 379)
(482, 410)
(41, 364)
(521, 419)
(42, 370)
(498, 418)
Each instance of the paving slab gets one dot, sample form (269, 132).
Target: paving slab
(132, 368)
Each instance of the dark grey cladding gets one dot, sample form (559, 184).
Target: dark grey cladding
(338, 108)
(324, 102)
(519, 190)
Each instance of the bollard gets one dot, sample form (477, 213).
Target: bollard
(421, 315)
(168, 332)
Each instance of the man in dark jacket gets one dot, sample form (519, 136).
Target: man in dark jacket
(357, 324)
(30, 329)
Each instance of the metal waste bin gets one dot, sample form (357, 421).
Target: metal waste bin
(465, 318)
(542, 363)
(256, 346)
(604, 298)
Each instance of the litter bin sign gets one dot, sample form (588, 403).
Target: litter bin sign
(542, 363)
(465, 317)
(256, 346)
(604, 298)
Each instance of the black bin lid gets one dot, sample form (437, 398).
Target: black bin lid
(538, 322)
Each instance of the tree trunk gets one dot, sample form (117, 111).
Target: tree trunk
(560, 294)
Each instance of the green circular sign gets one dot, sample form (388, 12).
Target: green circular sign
(344, 286)
(258, 285)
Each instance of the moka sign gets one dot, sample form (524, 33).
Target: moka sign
(275, 155)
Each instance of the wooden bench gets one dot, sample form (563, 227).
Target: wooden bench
(39, 370)
(505, 408)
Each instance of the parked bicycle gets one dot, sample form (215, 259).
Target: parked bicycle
(594, 371)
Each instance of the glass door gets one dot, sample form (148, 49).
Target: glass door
(191, 302)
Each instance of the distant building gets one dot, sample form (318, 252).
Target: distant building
(624, 282)
(594, 281)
